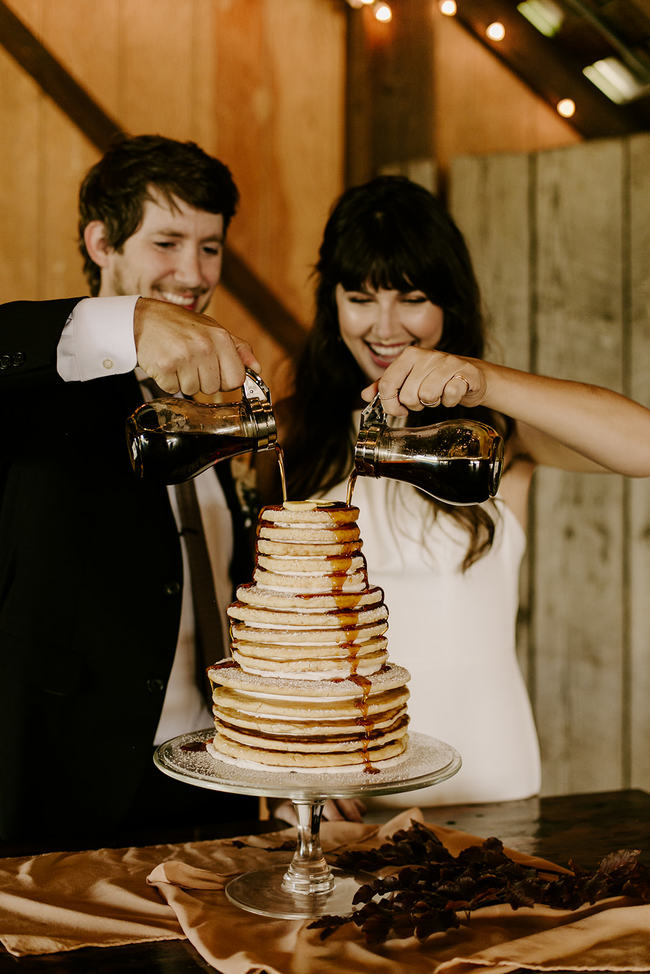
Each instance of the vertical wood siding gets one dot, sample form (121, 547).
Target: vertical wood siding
(561, 245)
(637, 365)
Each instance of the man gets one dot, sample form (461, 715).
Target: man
(94, 601)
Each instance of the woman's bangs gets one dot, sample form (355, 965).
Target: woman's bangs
(388, 269)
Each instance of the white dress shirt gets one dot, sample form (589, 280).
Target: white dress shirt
(98, 341)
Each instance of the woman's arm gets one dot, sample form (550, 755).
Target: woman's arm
(559, 423)
(571, 425)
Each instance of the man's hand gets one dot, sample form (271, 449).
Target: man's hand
(189, 352)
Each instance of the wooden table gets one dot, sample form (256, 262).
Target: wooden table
(582, 827)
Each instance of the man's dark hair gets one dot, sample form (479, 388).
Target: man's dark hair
(116, 188)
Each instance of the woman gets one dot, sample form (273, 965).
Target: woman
(398, 312)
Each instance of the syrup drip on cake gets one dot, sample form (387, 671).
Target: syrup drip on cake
(362, 704)
(309, 686)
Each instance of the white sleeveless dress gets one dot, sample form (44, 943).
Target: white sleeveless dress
(455, 633)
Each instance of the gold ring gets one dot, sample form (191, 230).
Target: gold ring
(424, 402)
(459, 375)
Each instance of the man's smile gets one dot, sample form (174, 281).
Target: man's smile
(189, 301)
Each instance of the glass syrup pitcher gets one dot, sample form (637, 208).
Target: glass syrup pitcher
(171, 440)
(458, 461)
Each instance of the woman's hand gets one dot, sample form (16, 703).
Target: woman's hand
(558, 422)
(422, 377)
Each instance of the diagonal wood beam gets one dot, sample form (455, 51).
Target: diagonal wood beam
(100, 129)
(549, 71)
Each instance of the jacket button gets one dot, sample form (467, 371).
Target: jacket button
(171, 588)
(155, 685)
(5, 361)
(18, 358)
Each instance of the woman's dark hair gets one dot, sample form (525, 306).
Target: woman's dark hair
(116, 188)
(388, 233)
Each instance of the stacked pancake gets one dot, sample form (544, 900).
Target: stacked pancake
(309, 686)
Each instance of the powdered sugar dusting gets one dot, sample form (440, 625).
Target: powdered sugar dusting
(386, 679)
(427, 761)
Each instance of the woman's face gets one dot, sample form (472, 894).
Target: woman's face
(376, 325)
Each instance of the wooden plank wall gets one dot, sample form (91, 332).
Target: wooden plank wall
(422, 90)
(637, 365)
(480, 106)
(258, 82)
(561, 243)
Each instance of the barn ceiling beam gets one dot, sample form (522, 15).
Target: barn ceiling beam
(550, 71)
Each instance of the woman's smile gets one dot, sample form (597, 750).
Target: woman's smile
(377, 324)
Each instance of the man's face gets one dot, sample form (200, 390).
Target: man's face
(174, 255)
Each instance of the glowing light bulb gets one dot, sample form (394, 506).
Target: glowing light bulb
(496, 31)
(448, 7)
(383, 13)
(566, 107)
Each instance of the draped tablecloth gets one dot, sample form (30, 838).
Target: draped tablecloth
(110, 897)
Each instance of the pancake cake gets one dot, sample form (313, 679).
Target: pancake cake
(309, 686)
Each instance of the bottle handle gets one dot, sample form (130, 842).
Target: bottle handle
(254, 387)
(373, 413)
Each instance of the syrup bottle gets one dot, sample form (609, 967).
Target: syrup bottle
(171, 440)
(458, 461)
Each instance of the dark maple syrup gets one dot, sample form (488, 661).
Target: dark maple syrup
(362, 703)
(279, 452)
(352, 479)
(456, 480)
(172, 458)
(195, 746)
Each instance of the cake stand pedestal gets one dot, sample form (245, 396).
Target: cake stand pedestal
(307, 886)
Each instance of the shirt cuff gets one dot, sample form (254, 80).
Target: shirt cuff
(98, 339)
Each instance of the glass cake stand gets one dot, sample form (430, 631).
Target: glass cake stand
(307, 886)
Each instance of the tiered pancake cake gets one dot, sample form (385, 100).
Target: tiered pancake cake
(309, 686)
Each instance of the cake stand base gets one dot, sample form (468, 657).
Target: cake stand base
(261, 891)
(307, 886)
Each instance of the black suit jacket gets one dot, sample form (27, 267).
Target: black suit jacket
(90, 588)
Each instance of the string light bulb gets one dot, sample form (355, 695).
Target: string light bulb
(566, 107)
(495, 31)
(448, 7)
(383, 13)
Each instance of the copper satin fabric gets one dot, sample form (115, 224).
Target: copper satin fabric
(61, 901)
